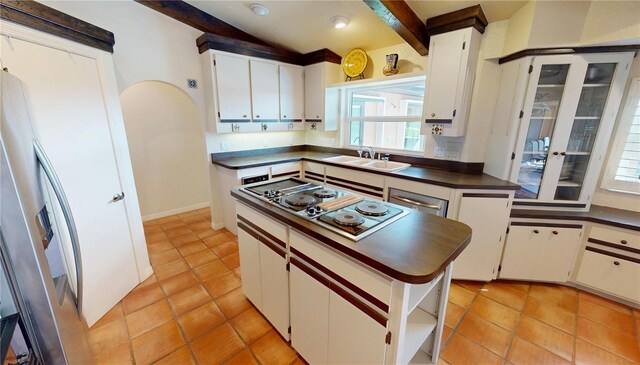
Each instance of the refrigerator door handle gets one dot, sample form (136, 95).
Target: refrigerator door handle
(68, 216)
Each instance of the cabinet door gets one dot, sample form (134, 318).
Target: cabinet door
(445, 58)
(314, 92)
(309, 315)
(233, 87)
(275, 288)
(479, 261)
(264, 91)
(558, 248)
(518, 259)
(249, 251)
(291, 93)
(354, 337)
(610, 274)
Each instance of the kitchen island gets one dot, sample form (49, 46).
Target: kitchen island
(378, 300)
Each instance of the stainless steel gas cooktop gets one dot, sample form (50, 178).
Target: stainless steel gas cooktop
(342, 212)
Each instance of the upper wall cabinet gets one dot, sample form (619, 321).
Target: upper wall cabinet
(451, 72)
(292, 96)
(233, 88)
(553, 141)
(264, 91)
(321, 105)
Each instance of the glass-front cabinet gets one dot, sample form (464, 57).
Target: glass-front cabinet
(568, 114)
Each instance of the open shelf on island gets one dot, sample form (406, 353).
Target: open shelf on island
(419, 291)
(420, 325)
(421, 358)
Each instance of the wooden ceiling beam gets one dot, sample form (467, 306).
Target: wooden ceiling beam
(472, 16)
(192, 16)
(399, 16)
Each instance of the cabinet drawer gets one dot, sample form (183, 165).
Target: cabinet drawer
(314, 171)
(272, 227)
(623, 239)
(610, 274)
(367, 284)
(357, 181)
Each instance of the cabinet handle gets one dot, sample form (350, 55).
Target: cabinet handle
(257, 115)
(617, 263)
(317, 117)
(433, 115)
(563, 153)
(284, 116)
(556, 153)
(536, 231)
(624, 242)
(555, 232)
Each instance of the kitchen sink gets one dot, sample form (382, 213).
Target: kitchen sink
(378, 165)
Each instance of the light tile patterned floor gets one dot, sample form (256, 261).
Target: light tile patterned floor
(192, 311)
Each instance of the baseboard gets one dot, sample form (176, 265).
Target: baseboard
(217, 226)
(175, 211)
(147, 272)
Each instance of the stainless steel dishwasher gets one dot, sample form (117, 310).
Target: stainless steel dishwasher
(424, 203)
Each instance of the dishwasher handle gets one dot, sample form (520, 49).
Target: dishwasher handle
(414, 202)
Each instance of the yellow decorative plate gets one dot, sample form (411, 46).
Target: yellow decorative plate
(354, 62)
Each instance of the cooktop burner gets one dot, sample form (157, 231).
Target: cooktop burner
(300, 200)
(324, 193)
(372, 208)
(348, 219)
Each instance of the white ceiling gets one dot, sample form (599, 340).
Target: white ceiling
(305, 25)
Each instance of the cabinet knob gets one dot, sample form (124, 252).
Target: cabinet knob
(433, 115)
(284, 116)
(536, 231)
(556, 153)
(563, 153)
(617, 263)
(257, 115)
(264, 127)
(317, 117)
(244, 115)
(624, 242)
(555, 232)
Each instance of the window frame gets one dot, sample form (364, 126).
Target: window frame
(620, 139)
(347, 119)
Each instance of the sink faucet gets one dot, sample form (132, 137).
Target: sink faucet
(370, 151)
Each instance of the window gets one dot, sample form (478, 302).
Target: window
(623, 167)
(386, 117)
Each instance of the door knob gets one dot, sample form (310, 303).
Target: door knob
(118, 197)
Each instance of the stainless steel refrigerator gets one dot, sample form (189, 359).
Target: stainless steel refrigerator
(40, 256)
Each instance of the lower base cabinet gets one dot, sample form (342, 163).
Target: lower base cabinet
(610, 274)
(249, 252)
(326, 328)
(540, 252)
(275, 288)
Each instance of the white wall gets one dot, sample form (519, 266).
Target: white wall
(166, 141)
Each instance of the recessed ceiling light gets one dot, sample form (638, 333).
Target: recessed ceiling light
(339, 22)
(259, 9)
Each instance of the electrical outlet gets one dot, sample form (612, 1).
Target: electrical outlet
(438, 152)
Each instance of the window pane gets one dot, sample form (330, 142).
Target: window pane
(629, 165)
(387, 135)
(394, 100)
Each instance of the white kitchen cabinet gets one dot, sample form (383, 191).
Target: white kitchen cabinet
(309, 315)
(368, 184)
(275, 286)
(540, 251)
(354, 337)
(480, 260)
(321, 105)
(610, 274)
(249, 252)
(292, 96)
(564, 121)
(451, 73)
(233, 88)
(265, 95)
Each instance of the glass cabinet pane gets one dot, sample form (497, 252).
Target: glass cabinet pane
(586, 123)
(551, 84)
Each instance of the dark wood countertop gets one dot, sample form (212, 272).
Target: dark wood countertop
(414, 249)
(596, 214)
(421, 174)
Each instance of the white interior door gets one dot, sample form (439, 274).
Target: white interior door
(70, 117)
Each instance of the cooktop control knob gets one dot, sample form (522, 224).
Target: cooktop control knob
(311, 210)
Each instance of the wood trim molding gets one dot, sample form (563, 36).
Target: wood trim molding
(612, 254)
(321, 55)
(485, 195)
(569, 50)
(263, 234)
(613, 245)
(399, 16)
(550, 225)
(196, 18)
(472, 16)
(43, 18)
